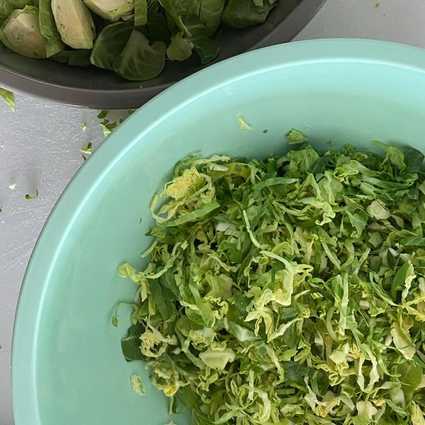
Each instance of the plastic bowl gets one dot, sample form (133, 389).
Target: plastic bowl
(67, 363)
(101, 89)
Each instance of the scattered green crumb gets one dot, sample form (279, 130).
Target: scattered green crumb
(102, 115)
(29, 196)
(105, 124)
(243, 124)
(108, 126)
(137, 384)
(9, 98)
(106, 129)
(87, 149)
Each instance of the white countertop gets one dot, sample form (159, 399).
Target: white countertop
(40, 150)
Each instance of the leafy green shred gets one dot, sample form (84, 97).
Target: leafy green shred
(108, 124)
(243, 124)
(8, 97)
(288, 290)
(87, 149)
(137, 386)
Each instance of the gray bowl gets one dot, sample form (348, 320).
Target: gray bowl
(101, 89)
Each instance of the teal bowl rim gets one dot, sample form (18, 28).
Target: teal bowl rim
(151, 115)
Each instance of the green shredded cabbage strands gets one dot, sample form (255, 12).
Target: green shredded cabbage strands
(288, 290)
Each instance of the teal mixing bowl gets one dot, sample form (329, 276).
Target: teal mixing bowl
(67, 363)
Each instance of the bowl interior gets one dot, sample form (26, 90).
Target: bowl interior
(67, 363)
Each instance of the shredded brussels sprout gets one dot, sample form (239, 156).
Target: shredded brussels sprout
(289, 290)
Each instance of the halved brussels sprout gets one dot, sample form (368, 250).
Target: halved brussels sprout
(21, 33)
(111, 10)
(74, 23)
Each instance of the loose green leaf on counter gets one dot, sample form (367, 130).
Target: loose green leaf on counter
(31, 196)
(107, 125)
(9, 98)
(87, 149)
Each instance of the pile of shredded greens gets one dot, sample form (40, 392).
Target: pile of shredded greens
(289, 290)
